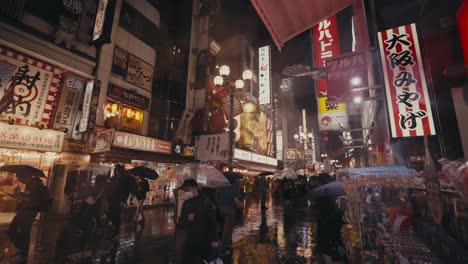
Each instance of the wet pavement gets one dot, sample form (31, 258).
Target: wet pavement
(282, 234)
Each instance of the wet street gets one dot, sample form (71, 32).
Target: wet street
(282, 234)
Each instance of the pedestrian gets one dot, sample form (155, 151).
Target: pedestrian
(228, 200)
(33, 200)
(330, 222)
(262, 188)
(119, 186)
(198, 223)
(142, 187)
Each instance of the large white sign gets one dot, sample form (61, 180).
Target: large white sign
(132, 141)
(69, 102)
(31, 138)
(264, 70)
(240, 154)
(86, 106)
(212, 147)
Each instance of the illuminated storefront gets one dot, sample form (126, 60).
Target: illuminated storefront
(123, 117)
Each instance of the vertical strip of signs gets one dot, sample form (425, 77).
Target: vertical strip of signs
(408, 102)
(327, 45)
(86, 106)
(264, 69)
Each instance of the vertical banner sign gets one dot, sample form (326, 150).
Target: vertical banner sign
(86, 106)
(264, 69)
(327, 45)
(35, 89)
(103, 22)
(408, 102)
(7, 71)
(69, 102)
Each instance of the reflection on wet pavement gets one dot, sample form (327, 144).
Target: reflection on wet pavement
(282, 234)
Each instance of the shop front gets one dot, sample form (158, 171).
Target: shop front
(133, 150)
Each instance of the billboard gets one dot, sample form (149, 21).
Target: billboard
(408, 102)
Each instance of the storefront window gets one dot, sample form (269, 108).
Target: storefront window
(123, 117)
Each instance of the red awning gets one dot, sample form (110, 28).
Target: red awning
(287, 18)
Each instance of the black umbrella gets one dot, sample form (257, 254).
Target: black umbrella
(144, 172)
(23, 170)
(233, 176)
(266, 173)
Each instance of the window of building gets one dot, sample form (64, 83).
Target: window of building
(138, 25)
(123, 117)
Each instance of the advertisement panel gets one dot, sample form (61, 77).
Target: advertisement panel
(331, 115)
(212, 147)
(70, 99)
(133, 69)
(290, 154)
(264, 81)
(408, 102)
(326, 45)
(137, 142)
(86, 108)
(7, 71)
(25, 137)
(345, 73)
(35, 90)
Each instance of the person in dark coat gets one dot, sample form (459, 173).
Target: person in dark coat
(35, 199)
(119, 189)
(198, 222)
(330, 222)
(142, 187)
(262, 188)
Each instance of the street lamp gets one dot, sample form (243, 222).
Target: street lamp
(231, 85)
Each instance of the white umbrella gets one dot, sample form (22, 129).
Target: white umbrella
(205, 175)
(96, 168)
(286, 173)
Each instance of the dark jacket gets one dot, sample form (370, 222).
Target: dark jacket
(201, 230)
(36, 196)
(330, 222)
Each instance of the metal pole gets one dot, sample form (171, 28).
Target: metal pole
(231, 132)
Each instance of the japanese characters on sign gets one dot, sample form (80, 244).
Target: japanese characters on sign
(128, 95)
(290, 154)
(184, 124)
(264, 70)
(72, 89)
(326, 45)
(103, 22)
(133, 69)
(345, 73)
(103, 141)
(72, 159)
(331, 115)
(212, 147)
(408, 102)
(137, 142)
(88, 94)
(24, 137)
(7, 72)
(35, 89)
(240, 154)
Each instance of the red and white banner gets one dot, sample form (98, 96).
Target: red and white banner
(326, 45)
(35, 89)
(408, 102)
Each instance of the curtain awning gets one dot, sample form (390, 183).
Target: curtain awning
(286, 19)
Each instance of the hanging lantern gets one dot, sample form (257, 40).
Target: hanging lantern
(129, 113)
(115, 108)
(137, 115)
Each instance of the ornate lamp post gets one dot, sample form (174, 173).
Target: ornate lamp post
(232, 86)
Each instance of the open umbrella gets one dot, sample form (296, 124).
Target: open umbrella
(233, 176)
(96, 168)
(333, 189)
(206, 175)
(286, 173)
(266, 173)
(23, 170)
(144, 172)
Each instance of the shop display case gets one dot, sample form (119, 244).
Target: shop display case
(380, 217)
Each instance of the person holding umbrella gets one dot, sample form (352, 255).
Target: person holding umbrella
(141, 175)
(33, 200)
(119, 189)
(262, 188)
(198, 222)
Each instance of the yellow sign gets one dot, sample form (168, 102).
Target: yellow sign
(325, 107)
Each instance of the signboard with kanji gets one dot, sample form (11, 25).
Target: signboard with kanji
(264, 80)
(331, 115)
(25, 137)
(35, 89)
(69, 102)
(408, 102)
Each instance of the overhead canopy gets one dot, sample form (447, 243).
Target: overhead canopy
(287, 18)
